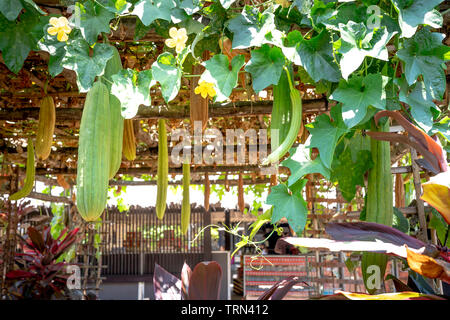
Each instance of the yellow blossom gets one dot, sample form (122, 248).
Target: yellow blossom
(178, 38)
(60, 27)
(283, 3)
(205, 88)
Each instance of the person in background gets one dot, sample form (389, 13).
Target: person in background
(273, 243)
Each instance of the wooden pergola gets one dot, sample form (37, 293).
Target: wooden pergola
(19, 110)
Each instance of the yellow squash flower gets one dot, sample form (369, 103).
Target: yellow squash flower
(178, 38)
(205, 88)
(60, 27)
(283, 3)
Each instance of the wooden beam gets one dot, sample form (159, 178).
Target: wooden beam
(152, 170)
(237, 109)
(232, 182)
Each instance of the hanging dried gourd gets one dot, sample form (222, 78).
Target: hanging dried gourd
(163, 170)
(29, 176)
(129, 140)
(46, 127)
(186, 204)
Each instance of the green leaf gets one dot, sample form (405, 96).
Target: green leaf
(399, 221)
(168, 74)
(150, 10)
(217, 71)
(227, 3)
(115, 6)
(10, 8)
(189, 6)
(250, 27)
(57, 51)
(265, 66)
(32, 4)
(132, 88)
(349, 173)
(438, 223)
(316, 57)
(421, 104)
(321, 12)
(300, 164)
(422, 55)
(17, 39)
(288, 205)
(93, 19)
(443, 127)
(357, 43)
(392, 100)
(303, 6)
(412, 13)
(357, 94)
(87, 68)
(324, 136)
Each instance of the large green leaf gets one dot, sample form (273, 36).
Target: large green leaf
(400, 222)
(86, 67)
(132, 88)
(438, 223)
(189, 6)
(265, 66)
(10, 8)
(348, 173)
(421, 104)
(217, 71)
(357, 42)
(324, 136)
(423, 54)
(57, 51)
(227, 3)
(316, 57)
(150, 10)
(300, 164)
(115, 6)
(168, 74)
(93, 19)
(412, 13)
(289, 205)
(303, 6)
(357, 94)
(17, 39)
(250, 27)
(322, 11)
(442, 127)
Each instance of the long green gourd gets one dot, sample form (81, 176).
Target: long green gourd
(294, 128)
(29, 175)
(281, 111)
(113, 66)
(163, 169)
(46, 128)
(186, 204)
(379, 207)
(94, 153)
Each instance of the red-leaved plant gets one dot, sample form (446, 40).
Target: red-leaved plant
(38, 275)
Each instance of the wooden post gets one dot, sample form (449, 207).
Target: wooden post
(227, 235)
(207, 235)
(420, 206)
